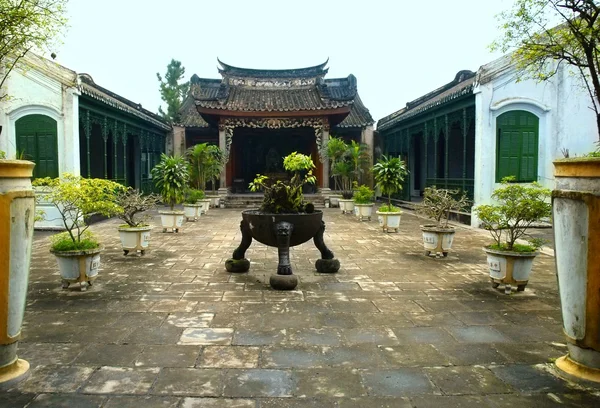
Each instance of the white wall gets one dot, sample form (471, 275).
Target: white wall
(565, 121)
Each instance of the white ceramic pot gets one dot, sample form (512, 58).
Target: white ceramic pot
(17, 206)
(437, 240)
(204, 205)
(576, 221)
(389, 221)
(214, 200)
(363, 211)
(334, 200)
(172, 220)
(78, 266)
(192, 211)
(509, 268)
(347, 206)
(135, 238)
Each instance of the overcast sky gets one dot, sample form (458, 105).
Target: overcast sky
(398, 50)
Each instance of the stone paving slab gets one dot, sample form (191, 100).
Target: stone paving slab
(392, 328)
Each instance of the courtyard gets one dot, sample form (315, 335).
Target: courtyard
(392, 328)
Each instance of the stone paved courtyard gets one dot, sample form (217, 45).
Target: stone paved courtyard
(391, 329)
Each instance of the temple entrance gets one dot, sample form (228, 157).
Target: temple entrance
(261, 151)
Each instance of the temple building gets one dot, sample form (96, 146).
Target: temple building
(259, 116)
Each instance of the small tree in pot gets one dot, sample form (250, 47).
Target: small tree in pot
(389, 173)
(171, 176)
(437, 205)
(363, 202)
(135, 234)
(518, 207)
(192, 205)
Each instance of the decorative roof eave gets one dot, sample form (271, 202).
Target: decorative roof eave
(49, 68)
(273, 114)
(359, 116)
(103, 95)
(314, 71)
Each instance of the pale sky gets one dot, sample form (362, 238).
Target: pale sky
(398, 50)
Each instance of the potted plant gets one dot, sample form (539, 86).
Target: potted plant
(77, 250)
(171, 177)
(363, 202)
(206, 164)
(437, 205)
(334, 151)
(284, 220)
(517, 207)
(17, 208)
(192, 207)
(347, 169)
(135, 233)
(389, 174)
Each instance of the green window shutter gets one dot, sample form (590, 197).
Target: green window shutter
(517, 146)
(37, 137)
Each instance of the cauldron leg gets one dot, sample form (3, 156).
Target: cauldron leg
(238, 263)
(284, 280)
(327, 263)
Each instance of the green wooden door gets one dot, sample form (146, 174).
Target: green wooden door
(517, 146)
(37, 140)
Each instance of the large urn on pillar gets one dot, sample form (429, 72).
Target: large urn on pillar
(576, 214)
(17, 208)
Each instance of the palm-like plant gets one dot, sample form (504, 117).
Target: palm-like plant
(171, 176)
(389, 173)
(206, 163)
(335, 150)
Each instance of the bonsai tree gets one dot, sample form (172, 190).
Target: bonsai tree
(171, 176)
(518, 207)
(132, 203)
(389, 174)
(77, 199)
(192, 196)
(286, 197)
(438, 203)
(363, 195)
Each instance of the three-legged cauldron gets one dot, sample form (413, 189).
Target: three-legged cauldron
(282, 231)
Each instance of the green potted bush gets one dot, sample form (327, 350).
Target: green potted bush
(517, 207)
(171, 177)
(389, 173)
(363, 202)
(135, 233)
(77, 199)
(206, 164)
(347, 170)
(192, 206)
(334, 151)
(437, 205)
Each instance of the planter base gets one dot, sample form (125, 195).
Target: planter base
(283, 282)
(437, 241)
(509, 268)
(13, 374)
(327, 265)
(575, 371)
(237, 265)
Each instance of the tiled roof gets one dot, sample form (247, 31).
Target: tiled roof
(315, 71)
(90, 88)
(189, 114)
(359, 116)
(460, 86)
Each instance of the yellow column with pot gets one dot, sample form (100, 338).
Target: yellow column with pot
(17, 207)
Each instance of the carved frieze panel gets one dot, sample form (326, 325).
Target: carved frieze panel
(272, 82)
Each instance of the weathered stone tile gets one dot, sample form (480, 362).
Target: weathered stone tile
(249, 337)
(120, 380)
(530, 333)
(525, 378)
(360, 356)
(481, 318)
(338, 320)
(13, 399)
(477, 334)
(66, 401)
(397, 306)
(529, 353)
(282, 357)
(375, 402)
(139, 319)
(315, 337)
(142, 401)
(189, 381)
(121, 355)
(190, 319)
(230, 357)
(471, 354)
(258, 383)
(173, 306)
(155, 335)
(206, 336)
(397, 383)
(168, 356)
(412, 355)
(217, 403)
(49, 353)
(428, 335)
(379, 336)
(56, 379)
(466, 380)
(429, 319)
(297, 403)
(452, 401)
(338, 383)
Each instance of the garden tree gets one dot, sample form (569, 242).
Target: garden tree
(172, 90)
(28, 25)
(545, 34)
(206, 162)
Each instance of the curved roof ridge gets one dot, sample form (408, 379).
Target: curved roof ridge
(312, 71)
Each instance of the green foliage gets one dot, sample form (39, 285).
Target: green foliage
(515, 248)
(132, 203)
(63, 242)
(389, 208)
(518, 206)
(363, 195)
(192, 196)
(77, 199)
(206, 162)
(172, 90)
(286, 197)
(171, 177)
(347, 162)
(28, 25)
(438, 203)
(389, 173)
(547, 33)
(2, 155)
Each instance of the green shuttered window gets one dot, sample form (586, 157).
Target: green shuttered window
(517, 146)
(36, 138)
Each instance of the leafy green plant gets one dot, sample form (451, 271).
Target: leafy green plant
(2, 155)
(206, 163)
(192, 196)
(133, 202)
(363, 195)
(77, 199)
(389, 173)
(347, 163)
(389, 208)
(518, 207)
(171, 176)
(63, 242)
(287, 197)
(438, 203)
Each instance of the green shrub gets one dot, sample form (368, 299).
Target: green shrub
(171, 176)
(389, 208)
(192, 196)
(363, 195)
(63, 242)
(439, 202)
(389, 173)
